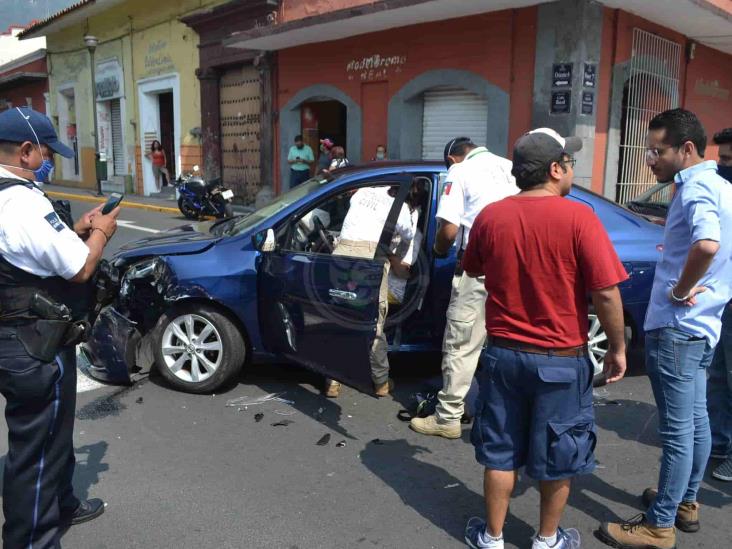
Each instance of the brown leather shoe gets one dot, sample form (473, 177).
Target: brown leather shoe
(636, 533)
(687, 515)
(383, 389)
(333, 389)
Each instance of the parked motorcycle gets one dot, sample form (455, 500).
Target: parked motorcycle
(198, 198)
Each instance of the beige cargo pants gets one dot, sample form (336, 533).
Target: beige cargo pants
(378, 354)
(464, 337)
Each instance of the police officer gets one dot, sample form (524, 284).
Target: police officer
(44, 260)
(475, 178)
(359, 237)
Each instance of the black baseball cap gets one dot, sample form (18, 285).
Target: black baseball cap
(451, 145)
(21, 124)
(538, 148)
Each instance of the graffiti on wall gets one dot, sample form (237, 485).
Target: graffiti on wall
(157, 58)
(375, 67)
(68, 67)
(711, 88)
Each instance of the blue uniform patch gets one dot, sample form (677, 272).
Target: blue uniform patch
(55, 222)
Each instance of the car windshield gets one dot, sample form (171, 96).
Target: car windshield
(281, 202)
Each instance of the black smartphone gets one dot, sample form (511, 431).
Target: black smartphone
(112, 202)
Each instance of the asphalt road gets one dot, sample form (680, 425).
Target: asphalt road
(186, 471)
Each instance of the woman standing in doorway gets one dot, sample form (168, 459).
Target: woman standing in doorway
(159, 163)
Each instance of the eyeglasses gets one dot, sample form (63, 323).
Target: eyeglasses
(571, 161)
(654, 153)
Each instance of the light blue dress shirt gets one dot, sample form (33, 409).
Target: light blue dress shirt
(701, 209)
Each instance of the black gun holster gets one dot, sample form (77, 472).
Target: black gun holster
(43, 339)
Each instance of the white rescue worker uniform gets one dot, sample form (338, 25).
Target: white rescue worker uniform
(359, 237)
(480, 179)
(39, 254)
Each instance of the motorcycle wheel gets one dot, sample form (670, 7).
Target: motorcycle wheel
(186, 209)
(228, 210)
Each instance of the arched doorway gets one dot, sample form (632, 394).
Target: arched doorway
(440, 104)
(316, 112)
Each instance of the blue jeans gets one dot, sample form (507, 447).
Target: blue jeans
(719, 389)
(676, 363)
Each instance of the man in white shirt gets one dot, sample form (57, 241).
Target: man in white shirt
(44, 258)
(359, 237)
(475, 178)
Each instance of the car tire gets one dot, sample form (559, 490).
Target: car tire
(197, 348)
(597, 344)
(186, 209)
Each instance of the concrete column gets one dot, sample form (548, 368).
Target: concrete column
(569, 31)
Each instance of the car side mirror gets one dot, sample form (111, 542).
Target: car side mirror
(265, 241)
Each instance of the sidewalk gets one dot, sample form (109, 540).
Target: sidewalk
(168, 205)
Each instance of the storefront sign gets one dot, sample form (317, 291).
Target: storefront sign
(589, 76)
(108, 80)
(561, 102)
(711, 88)
(375, 67)
(588, 102)
(562, 75)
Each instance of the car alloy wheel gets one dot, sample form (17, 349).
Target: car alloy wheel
(192, 348)
(597, 344)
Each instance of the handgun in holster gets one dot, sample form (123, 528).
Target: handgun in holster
(53, 329)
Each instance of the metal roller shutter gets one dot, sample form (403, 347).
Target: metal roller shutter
(452, 112)
(118, 146)
(240, 107)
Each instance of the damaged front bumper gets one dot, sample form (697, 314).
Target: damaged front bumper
(116, 350)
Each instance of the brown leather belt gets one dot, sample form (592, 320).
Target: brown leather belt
(535, 349)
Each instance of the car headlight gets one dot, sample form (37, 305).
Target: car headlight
(149, 268)
(145, 269)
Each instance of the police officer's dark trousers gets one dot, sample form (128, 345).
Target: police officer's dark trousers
(40, 405)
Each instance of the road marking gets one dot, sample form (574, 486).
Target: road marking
(126, 204)
(84, 381)
(131, 225)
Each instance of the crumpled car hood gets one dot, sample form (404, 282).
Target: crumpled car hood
(187, 239)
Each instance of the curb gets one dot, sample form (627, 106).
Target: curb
(99, 200)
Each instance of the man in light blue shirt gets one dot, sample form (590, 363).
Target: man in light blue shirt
(300, 159)
(692, 285)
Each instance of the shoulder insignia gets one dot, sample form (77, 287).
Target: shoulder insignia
(55, 222)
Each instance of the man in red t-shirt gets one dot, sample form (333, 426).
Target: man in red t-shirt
(541, 255)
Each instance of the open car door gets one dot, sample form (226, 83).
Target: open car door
(320, 310)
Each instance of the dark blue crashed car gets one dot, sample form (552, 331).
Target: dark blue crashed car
(201, 301)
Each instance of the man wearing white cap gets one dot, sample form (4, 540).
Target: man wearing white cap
(541, 255)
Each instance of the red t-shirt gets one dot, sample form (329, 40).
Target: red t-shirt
(541, 256)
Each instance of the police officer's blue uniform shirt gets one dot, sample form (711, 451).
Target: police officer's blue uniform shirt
(700, 210)
(33, 238)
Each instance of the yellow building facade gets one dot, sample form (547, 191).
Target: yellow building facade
(145, 86)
